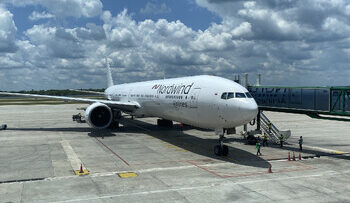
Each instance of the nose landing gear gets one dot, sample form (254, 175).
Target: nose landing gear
(221, 149)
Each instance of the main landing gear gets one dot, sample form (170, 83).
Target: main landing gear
(117, 115)
(221, 149)
(165, 123)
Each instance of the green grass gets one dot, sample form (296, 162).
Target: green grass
(40, 101)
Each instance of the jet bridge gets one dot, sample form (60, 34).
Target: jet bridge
(312, 101)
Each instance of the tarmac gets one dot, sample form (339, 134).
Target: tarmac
(43, 149)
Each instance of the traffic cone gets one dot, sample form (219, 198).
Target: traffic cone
(270, 169)
(288, 156)
(81, 168)
(293, 156)
(299, 156)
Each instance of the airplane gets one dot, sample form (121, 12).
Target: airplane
(203, 101)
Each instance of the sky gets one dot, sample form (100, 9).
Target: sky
(62, 44)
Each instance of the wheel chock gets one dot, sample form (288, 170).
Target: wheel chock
(81, 171)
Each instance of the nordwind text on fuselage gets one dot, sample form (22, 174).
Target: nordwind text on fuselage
(173, 89)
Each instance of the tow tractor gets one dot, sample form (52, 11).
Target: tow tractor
(3, 127)
(78, 118)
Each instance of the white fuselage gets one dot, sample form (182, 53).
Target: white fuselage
(193, 100)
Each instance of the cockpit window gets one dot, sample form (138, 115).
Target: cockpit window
(240, 95)
(248, 95)
(224, 95)
(230, 95)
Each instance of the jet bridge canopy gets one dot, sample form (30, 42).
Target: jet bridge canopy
(308, 100)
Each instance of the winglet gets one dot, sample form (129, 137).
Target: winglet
(109, 75)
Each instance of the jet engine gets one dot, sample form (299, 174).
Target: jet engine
(98, 115)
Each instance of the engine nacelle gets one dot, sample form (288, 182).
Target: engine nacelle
(98, 115)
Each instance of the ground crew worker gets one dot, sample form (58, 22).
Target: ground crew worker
(258, 146)
(181, 126)
(269, 124)
(265, 140)
(79, 117)
(281, 141)
(301, 143)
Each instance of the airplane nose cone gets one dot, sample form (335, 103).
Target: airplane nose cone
(249, 110)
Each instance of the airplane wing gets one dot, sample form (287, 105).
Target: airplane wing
(126, 106)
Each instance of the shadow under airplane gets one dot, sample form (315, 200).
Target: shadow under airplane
(194, 144)
(178, 138)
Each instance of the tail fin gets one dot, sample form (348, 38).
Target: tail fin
(109, 75)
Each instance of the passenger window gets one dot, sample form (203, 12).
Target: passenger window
(224, 95)
(240, 95)
(230, 95)
(248, 95)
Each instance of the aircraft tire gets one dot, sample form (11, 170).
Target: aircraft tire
(114, 125)
(217, 150)
(224, 150)
(164, 123)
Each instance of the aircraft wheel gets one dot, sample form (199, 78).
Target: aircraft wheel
(217, 150)
(114, 125)
(224, 150)
(164, 123)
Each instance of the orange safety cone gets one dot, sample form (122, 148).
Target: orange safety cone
(288, 156)
(270, 169)
(81, 168)
(299, 156)
(293, 156)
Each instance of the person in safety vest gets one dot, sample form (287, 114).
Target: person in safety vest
(258, 146)
(281, 141)
(265, 140)
(301, 143)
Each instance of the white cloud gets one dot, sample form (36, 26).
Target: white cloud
(206, 41)
(7, 31)
(263, 36)
(244, 29)
(153, 8)
(65, 8)
(347, 10)
(38, 16)
(336, 26)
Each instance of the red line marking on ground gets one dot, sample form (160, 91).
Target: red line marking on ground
(209, 171)
(113, 152)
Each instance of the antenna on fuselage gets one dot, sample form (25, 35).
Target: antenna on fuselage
(109, 74)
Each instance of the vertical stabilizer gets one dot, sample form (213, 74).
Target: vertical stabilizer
(109, 75)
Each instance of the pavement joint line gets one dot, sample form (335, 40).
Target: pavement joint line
(73, 159)
(138, 171)
(205, 169)
(112, 173)
(330, 173)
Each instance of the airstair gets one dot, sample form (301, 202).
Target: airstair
(273, 133)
